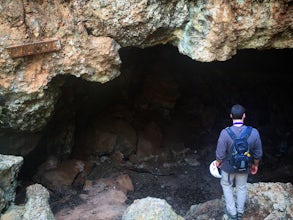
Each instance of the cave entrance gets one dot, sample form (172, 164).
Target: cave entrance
(158, 122)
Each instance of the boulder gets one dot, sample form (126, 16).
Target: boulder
(149, 209)
(264, 201)
(37, 206)
(9, 169)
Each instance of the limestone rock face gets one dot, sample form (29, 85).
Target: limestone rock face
(37, 206)
(150, 208)
(264, 201)
(91, 33)
(135, 22)
(28, 100)
(273, 198)
(217, 29)
(9, 169)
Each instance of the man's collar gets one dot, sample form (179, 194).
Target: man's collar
(237, 123)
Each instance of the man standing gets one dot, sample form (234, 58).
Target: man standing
(229, 174)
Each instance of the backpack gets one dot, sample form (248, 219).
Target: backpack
(240, 156)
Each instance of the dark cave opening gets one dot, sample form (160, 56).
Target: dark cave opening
(164, 102)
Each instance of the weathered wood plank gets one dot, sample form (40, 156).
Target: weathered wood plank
(33, 48)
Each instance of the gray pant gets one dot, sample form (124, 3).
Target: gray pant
(241, 191)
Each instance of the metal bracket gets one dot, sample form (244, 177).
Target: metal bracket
(34, 48)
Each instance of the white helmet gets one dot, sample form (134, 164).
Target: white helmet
(214, 170)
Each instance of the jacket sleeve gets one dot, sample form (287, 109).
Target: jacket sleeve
(257, 152)
(221, 146)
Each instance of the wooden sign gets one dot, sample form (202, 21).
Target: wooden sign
(34, 48)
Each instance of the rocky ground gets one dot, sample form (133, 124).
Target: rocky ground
(181, 186)
(184, 183)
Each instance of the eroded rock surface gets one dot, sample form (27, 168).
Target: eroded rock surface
(264, 201)
(217, 29)
(273, 200)
(150, 208)
(91, 33)
(9, 169)
(37, 206)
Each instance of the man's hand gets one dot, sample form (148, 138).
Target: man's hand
(254, 169)
(218, 163)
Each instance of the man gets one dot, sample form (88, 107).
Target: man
(234, 209)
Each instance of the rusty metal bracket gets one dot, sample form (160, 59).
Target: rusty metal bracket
(33, 48)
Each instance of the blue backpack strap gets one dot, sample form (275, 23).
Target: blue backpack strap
(245, 134)
(231, 133)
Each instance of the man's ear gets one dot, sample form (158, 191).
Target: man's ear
(243, 116)
(231, 116)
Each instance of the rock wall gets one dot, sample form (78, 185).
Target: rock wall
(264, 201)
(92, 32)
(217, 29)
(36, 207)
(9, 169)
